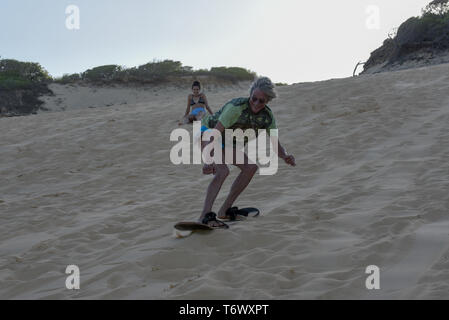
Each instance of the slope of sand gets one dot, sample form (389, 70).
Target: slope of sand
(94, 187)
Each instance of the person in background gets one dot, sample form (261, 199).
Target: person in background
(196, 105)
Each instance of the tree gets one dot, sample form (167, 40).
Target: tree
(436, 7)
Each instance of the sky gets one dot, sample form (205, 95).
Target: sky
(289, 41)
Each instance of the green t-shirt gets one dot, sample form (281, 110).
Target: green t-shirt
(237, 114)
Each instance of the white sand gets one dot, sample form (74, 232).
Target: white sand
(95, 188)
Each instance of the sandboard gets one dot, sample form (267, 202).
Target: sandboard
(192, 226)
(244, 214)
(185, 229)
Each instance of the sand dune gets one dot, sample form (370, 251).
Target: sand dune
(93, 186)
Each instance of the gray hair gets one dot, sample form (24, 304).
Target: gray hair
(265, 85)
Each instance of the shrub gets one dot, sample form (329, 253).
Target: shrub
(27, 71)
(14, 82)
(409, 31)
(69, 78)
(102, 73)
(21, 74)
(232, 73)
(436, 8)
(159, 69)
(432, 27)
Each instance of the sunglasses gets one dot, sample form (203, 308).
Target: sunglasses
(255, 99)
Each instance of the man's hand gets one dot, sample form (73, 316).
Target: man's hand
(289, 159)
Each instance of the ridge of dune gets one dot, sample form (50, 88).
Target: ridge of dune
(93, 186)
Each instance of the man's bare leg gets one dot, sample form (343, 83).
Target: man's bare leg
(239, 185)
(214, 188)
(248, 170)
(221, 173)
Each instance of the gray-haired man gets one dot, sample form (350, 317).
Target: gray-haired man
(241, 113)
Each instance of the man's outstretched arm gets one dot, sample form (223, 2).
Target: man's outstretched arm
(288, 158)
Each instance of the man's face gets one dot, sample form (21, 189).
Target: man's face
(257, 101)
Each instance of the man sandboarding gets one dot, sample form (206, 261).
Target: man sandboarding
(242, 113)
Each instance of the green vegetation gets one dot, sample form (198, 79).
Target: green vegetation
(13, 82)
(436, 8)
(153, 72)
(232, 74)
(431, 27)
(69, 78)
(21, 85)
(102, 73)
(436, 14)
(21, 75)
(17, 75)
